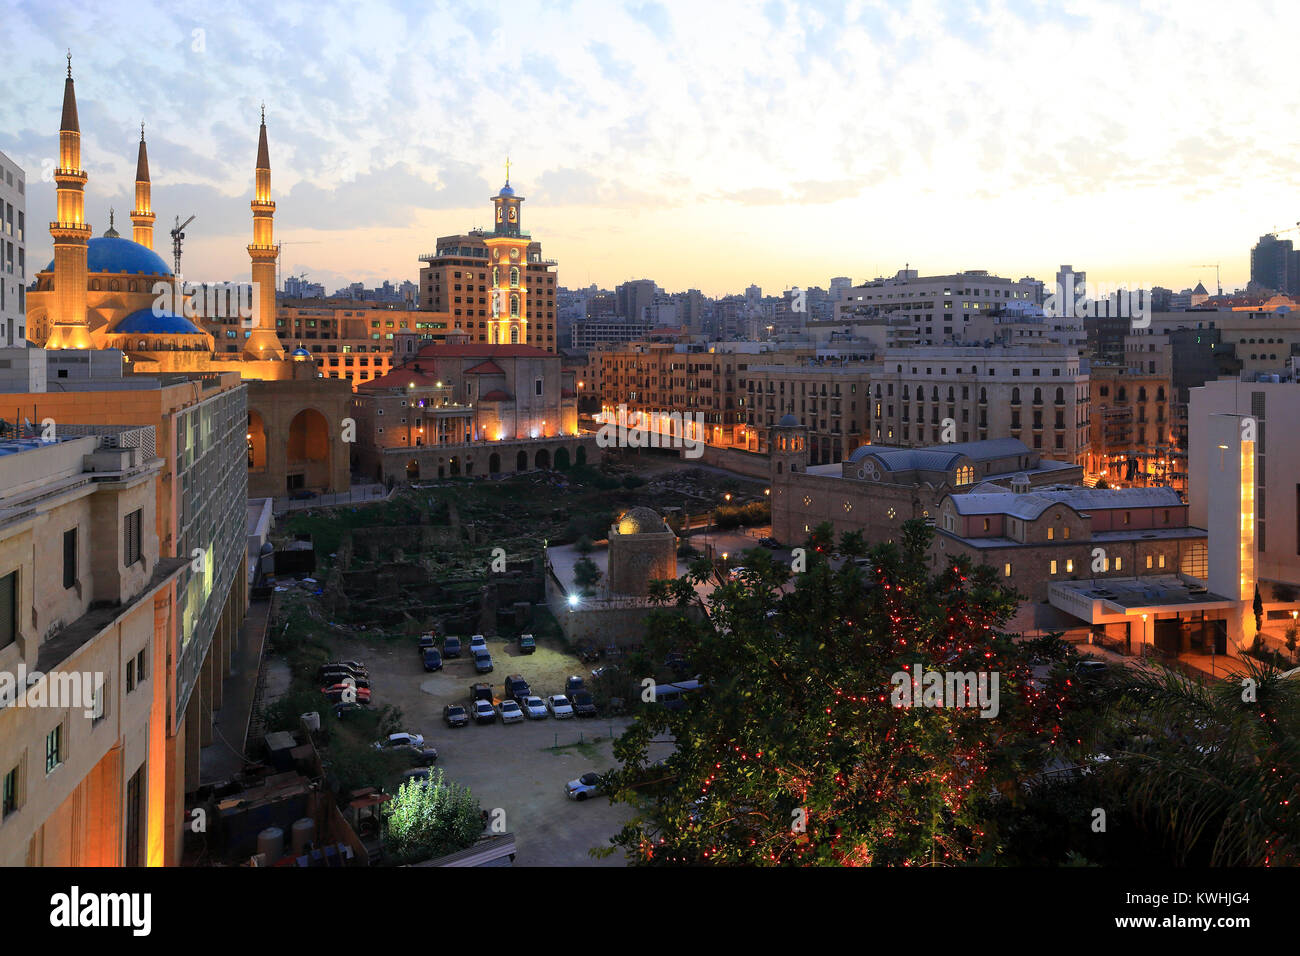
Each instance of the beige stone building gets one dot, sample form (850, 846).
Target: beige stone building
(88, 603)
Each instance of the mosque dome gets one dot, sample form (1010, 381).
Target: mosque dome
(640, 521)
(788, 421)
(300, 354)
(147, 322)
(113, 254)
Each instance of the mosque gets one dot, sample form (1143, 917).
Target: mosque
(104, 293)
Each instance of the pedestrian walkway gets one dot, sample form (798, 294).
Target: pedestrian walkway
(224, 757)
(357, 494)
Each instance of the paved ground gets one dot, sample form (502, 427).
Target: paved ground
(516, 768)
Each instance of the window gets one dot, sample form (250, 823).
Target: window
(70, 558)
(11, 792)
(1006, 570)
(131, 537)
(54, 749)
(1119, 564)
(8, 608)
(1051, 533)
(141, 672)
(1162, 560)
(130, 675)
(97, 702)
(1069, 565)
(1053, 567)
(986, 524)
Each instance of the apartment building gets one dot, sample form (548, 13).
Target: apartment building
(831, 400)
(586, 334)
(938, 308)
(934, 394)
(200, 427)
(13, 253)
(1133, 436)
(86, 602)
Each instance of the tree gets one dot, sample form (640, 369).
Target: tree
(1291, 639)
(584, 545)
(430, 818)
(1102, 483)
(1258, 607)
(586, 574)
(795, 753)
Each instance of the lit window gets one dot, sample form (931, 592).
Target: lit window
(1069, 565)
(1053, 567)
(1006, 570)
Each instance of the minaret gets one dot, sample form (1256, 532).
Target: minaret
(263, 343)
(70, 233)
(142, 216)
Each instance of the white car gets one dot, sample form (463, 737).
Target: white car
(588, 785)
(559, 706)
(510, 712)
(484, 712)
(401, 740)
(534, 708)
(477, 643)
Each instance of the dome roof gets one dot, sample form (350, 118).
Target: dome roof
(300, 353)
(145, 322)
(507, 190)
(496, 395)
(114, 254)
(788, 421)
(640, 521)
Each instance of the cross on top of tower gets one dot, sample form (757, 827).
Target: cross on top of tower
(507, 170)
(263, 114)
(69, 63)
(142, 131)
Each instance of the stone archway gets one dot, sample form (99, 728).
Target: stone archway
(307, 451)
(494, 464)
(454, 465)
(543, 458)
(562, 459)
(413, 470)
(256, 437)
(521, 461)
(581, 457)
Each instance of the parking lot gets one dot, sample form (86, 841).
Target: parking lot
(517, 768)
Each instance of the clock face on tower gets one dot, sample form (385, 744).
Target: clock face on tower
(514, 253)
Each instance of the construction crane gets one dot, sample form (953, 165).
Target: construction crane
(279, 250)
(177, 236)
(1215, 267)
(1279, 232)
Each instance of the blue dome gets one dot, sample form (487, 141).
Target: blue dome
(145, 322)
(301, 352)
(114, 254)
(507, 190)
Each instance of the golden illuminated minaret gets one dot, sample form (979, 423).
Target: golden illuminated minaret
(263, 343)
(68, 329)
(508, 250)
(142, 216)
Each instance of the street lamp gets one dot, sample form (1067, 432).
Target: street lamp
(1144, 635)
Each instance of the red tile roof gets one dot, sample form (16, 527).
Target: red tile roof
(485, 368)
(496, 395)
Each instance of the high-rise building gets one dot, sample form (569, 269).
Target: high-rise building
(13, 253)
(1275, 265)
(495, 285)
(634, 299)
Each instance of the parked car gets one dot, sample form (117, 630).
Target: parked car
(484, 712)
(534, 708)
(607, 669)
(478, 642)
(451, 646)
(454, 715)
(344, 711)
(419, 775)
(355, 665)
(483, 662)
(559, 706)
(346, 693)
(1091, 667)
(426, 640)
(516, 688)
(432, 659)
(768, 543)
(401, 739)
(343, 677)
(509, 712)
(584, 705)
(573, 684)
(334, 673)
(480, 691)
(526, 644)
(588, 785)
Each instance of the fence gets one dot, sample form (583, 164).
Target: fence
(357, 494)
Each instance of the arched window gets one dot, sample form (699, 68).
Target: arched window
(1015, 396)
(514, 306)
(1160, 394)
(496, 275)
(984, 395)
(1142, 393)
(1122, 395)
(950, 393)
(514, 335)
(1060, 396)
(113, 285)
(1038, 395)
(514, 277)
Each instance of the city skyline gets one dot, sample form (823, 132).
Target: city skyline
(624, 158)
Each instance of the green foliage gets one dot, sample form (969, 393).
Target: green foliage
(586, 574)
(431, 819)
(584, 545)
(736, 516)
(793, 753)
